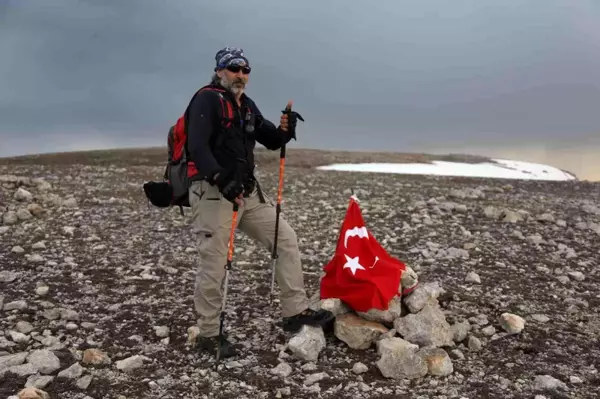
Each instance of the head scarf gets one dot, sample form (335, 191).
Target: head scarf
(230, 56)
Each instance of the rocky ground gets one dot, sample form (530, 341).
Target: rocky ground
(95, 290)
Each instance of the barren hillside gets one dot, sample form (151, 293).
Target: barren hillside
(305, 158)
(96, 286)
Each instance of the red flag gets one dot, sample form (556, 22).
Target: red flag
(362, 274)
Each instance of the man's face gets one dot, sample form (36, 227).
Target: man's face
(235, 78)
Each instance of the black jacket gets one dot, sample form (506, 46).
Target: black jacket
(213, 148)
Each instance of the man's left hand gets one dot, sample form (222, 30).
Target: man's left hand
(284, 121)
(289, 119)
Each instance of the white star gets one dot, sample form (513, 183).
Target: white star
(352, 264)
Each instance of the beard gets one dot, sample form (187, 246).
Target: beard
(235, 86)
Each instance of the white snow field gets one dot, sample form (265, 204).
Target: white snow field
(499, 168)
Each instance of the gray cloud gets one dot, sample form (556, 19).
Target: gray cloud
(395, 74)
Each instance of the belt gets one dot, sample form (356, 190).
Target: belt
(250, 187)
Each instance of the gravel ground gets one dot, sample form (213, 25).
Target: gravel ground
(96, 287)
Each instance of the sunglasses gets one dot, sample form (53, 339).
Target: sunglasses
(236, 68)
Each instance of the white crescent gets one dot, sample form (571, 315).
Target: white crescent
(355, 232)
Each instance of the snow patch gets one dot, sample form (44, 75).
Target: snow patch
(499, 168)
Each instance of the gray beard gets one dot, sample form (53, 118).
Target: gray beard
(229, 86)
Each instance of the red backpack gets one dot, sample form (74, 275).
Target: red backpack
(173, 190)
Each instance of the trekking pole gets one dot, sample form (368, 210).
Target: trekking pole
(227, 267)
(274, 254)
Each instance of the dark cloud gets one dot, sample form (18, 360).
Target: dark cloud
(395, 74)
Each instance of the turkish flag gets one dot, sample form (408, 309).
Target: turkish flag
(362, 274)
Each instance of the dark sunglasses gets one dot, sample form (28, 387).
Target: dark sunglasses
(236, 68)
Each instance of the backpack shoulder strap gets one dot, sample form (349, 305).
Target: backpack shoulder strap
(226, 106)
(226, 113)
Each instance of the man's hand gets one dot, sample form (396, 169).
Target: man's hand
(230, 187)
(284, 121)
(233, 192)
(289, 119)
(240, 198)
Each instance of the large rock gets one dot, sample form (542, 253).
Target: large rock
(505, 214)
(95, 357)
(511, 216)
(307, 343)
(35, 209)
(15, 305)
(422, 295)
(591, 208)
(334, 305)
(44, 361)
(282, 369)
(70, 202)
(24, 214)
(408, 280)
(23, 195)
(19, 337)
(511, 323)
(8, 276)
(548, 383)
(38, 381)
(42, 185)
(12, 360)
(22, 370)
(357, 333)
(130, 364)
(426, 328)
(438, 361)
(387, 316)
(73, 372)
(10, 218)
(460, 330)
(33, 393)
(399, 360)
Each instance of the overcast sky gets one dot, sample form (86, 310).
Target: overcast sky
(387, 74)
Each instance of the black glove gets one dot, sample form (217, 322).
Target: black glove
(293, 117)
(230, 184)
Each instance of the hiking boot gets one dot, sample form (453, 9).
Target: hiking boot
(210, 344)
(320, 318)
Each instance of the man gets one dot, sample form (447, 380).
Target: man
(224, 159)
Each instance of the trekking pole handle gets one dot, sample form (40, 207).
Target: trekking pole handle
(291, 126)
(287, 110)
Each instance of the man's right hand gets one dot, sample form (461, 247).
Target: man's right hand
(233, 192)
(230, 186)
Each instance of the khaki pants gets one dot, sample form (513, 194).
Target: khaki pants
(211, 219)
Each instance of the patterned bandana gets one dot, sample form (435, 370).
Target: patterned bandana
(230, 56)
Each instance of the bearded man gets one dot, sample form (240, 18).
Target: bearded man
(224, 125)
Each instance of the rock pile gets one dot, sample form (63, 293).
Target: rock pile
(412, 337)
(41, 367)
